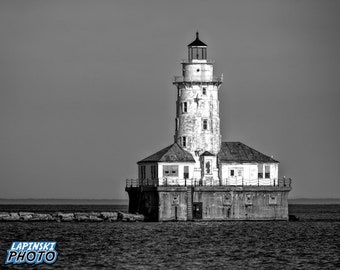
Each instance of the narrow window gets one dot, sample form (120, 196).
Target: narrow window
(208, 167)
(184, 107)
(260, 172)
(142, 172)
(232, 172)
(205, 124)
(204, 91)
(267, 171)
(177, 124)
(153, 171)
(184, 141)
(186, 172)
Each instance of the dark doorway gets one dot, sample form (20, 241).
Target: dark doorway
(197, 210)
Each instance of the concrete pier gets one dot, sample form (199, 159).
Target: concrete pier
(210, 202)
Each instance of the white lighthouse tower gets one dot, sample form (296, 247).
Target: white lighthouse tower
(197, 110)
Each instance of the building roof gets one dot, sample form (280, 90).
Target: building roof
(241, 153)
(207, 153)
(172, 153)
(197, 42)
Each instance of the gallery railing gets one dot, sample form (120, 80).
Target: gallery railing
(164, 181)
(214, 79)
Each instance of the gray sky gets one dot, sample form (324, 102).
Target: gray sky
(86, 88)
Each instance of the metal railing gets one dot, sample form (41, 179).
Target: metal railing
(214, 79)
(198, 61)
(167, 181)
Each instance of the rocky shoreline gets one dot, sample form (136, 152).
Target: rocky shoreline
(68, 217)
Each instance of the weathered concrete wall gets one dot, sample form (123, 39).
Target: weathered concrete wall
(173, 203)
(246, 203)
(218, 202)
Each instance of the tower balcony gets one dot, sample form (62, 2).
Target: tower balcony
(215, 80)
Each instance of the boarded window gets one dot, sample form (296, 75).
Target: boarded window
(267, 171)
(170, 170)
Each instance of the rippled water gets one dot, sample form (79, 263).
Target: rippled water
(307, 244)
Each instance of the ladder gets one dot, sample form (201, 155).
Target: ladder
(189, 205)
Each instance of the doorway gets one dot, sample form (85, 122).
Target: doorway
(197, 210)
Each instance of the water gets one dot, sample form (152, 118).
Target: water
(312, 243)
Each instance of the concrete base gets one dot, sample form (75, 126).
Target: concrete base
(210, 202)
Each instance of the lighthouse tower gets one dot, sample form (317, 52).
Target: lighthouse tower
(198, 176)
(197, 110)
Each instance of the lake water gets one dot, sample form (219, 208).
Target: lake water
(311, 243)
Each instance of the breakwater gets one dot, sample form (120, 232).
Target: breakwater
(69, 217)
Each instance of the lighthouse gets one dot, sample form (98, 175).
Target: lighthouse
(197, 110)
(198, 176)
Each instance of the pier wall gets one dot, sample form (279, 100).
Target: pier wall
(211, 203)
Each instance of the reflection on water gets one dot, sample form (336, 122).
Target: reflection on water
(184, 245)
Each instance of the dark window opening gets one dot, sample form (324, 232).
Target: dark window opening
(184, 141)
(186, 172)
(184, 107)
(205, 124)
(142, 172)
(153, 172)
(204, 91)
(260, 175)
(232, 172)
(267, 172)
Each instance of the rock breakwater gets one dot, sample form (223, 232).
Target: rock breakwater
(68, 217)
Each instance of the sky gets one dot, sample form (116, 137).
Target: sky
(86, 89)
